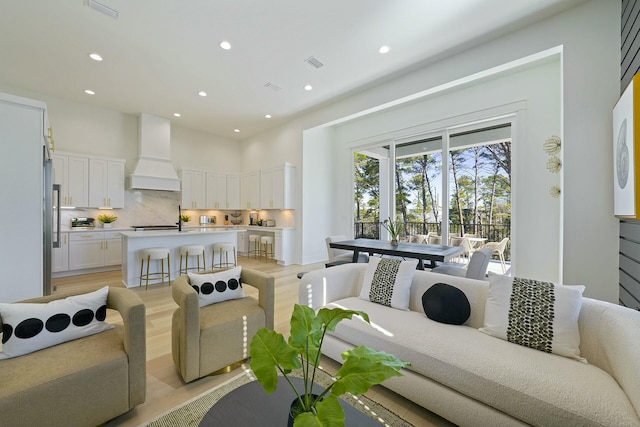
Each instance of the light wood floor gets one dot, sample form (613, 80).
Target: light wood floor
(166, 390)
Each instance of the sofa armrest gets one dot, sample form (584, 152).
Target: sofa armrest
(320, 287)
(185, 339)
(265, 285)
(132, 311)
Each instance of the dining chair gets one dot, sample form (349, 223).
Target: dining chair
(498, 248)
(337, 255)
(476, 269)
(434, 239)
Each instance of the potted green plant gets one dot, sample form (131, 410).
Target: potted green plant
(394, 229)
(185, 218)
(362, 367)
(106, 220)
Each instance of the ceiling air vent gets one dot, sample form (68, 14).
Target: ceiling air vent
(314, 62)
(93, 4)
(272, 86)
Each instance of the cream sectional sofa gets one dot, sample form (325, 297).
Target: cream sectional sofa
(473, 379)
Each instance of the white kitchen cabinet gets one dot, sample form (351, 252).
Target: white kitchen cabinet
(193, 189)
(72, 173)
(106, 183)
(112, 248)
(277, 187)
(284, 242)
(94, 249)
(216, 191)
(250, 191)
(242, 242)
(233, 192)
(60, 256)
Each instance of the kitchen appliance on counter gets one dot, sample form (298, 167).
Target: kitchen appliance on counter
(207, 220)
(253, 218)
(83, 223)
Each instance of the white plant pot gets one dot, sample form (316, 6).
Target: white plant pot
(106, 225)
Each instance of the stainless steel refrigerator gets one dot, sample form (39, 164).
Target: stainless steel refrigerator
(27, 222)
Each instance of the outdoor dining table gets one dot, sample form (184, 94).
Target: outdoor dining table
(420, 251)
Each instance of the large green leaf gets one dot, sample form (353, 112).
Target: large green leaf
(330, 317)
(268, 350)
(329, 413)
(364, 367)
(303, 336)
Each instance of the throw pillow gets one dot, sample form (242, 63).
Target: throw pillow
(217, 287)
(535, 314)
(28, 327)
(446, 304)
(387, 281)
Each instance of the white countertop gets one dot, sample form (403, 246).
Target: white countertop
(185, 231)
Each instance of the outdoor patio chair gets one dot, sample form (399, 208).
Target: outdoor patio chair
(498, 248)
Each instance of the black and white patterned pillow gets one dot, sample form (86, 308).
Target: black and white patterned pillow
(217, 287)
(28, 327)
(535, 314)
(387, 281)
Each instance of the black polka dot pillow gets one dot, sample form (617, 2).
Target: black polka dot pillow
(217, 287)
(28, 327)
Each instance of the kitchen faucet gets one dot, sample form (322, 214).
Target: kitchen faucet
(179, 223)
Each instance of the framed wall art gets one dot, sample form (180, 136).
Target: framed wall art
(626, 188)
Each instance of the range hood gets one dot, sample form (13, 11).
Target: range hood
(154, 170)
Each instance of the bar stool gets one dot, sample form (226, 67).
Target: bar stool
(257, 250)
(266, 243)
(192, 250)
(151, 254)
(224, 248)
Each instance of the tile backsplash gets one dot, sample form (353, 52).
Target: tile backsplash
(149, 207)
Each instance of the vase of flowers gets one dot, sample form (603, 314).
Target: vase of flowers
(185, 218)
(394, 229)
(362, 367)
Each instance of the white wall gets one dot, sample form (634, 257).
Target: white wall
(590, 36)
(531, 92)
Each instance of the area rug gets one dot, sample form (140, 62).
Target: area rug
(191, 413)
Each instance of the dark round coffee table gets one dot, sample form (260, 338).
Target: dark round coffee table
(250, 406)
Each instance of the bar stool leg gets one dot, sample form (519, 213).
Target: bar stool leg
(147, 278)
(168, 267)
(141, 267)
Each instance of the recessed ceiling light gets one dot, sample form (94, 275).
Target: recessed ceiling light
(202, 93)
(383, 49)
(267, 116)
(177, 115)
(236, 130)
(89, 92)
(308, 87)
(95, 57)
(225, 45)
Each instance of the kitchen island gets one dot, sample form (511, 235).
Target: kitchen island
(134, 241)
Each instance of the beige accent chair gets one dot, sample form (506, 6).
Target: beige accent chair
(84, 382)
(207, 339)
(498, 248)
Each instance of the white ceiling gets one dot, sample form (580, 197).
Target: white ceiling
(159, 53)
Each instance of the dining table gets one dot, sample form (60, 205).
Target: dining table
(431, 254)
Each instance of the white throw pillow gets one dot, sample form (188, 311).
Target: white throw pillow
(217, 287)
(387, 281)
(28, 327)
(535, 314)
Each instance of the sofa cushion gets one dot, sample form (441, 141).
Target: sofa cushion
(539, 315)
(536, 387)
(217, 287)
(446, 304)
(28, 327)
(387, 281)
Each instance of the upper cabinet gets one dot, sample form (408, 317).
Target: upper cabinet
(193, 189)
(216, 191)
(233, 192)
(106, 183)
(277, 187)
(250, 191)
(72, 173)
